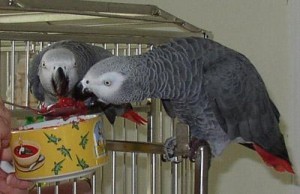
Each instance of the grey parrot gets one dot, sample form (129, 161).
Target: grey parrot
(213, 89)
(56, 70)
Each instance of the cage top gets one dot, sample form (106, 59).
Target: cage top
(89, 21)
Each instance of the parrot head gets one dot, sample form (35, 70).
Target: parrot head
(58, 72)
(112, 80)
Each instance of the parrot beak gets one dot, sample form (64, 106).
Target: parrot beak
(81, 88)
(80, 92)
(60, 82)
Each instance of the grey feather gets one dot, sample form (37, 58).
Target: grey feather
(48, 89)
(85, 55)
(168, 108)
(213, 89)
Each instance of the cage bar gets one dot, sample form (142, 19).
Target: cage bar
(26, 73)
(12, 72)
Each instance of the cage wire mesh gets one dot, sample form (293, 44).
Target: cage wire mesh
(126, 172)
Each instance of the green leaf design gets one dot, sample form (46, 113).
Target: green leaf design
(84, 140)
(75, 125)
(57, 167)
(52, 138)
(82, 163)
(65, 151)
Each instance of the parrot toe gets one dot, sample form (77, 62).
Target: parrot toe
(194, 145)
(169, 148)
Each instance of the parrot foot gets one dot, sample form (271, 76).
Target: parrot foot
(194, 145)
(169, 148)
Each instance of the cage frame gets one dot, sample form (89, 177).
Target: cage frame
(101, 22)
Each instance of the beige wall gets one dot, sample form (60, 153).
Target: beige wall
(293, 112)
(258, 29)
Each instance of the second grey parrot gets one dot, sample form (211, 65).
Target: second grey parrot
(56, 70)
(213, 89)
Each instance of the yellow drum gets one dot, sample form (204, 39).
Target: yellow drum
(59, 149)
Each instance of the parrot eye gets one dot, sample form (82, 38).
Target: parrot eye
(75, 64)
(43, 64)
(87, 81)
(107, 83)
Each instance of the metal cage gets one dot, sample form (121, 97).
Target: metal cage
(27, 26)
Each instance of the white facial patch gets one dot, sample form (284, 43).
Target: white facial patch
(59, 57)
(105, 86)
(51, 61)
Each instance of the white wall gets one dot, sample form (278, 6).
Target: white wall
(260, 30)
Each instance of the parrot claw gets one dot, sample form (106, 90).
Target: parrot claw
(194, 145)
(169, 148)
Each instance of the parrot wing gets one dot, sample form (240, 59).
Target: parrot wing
(168, 108)
(243, 108)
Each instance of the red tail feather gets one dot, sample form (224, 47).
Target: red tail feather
(134, 117)
(277, 163)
